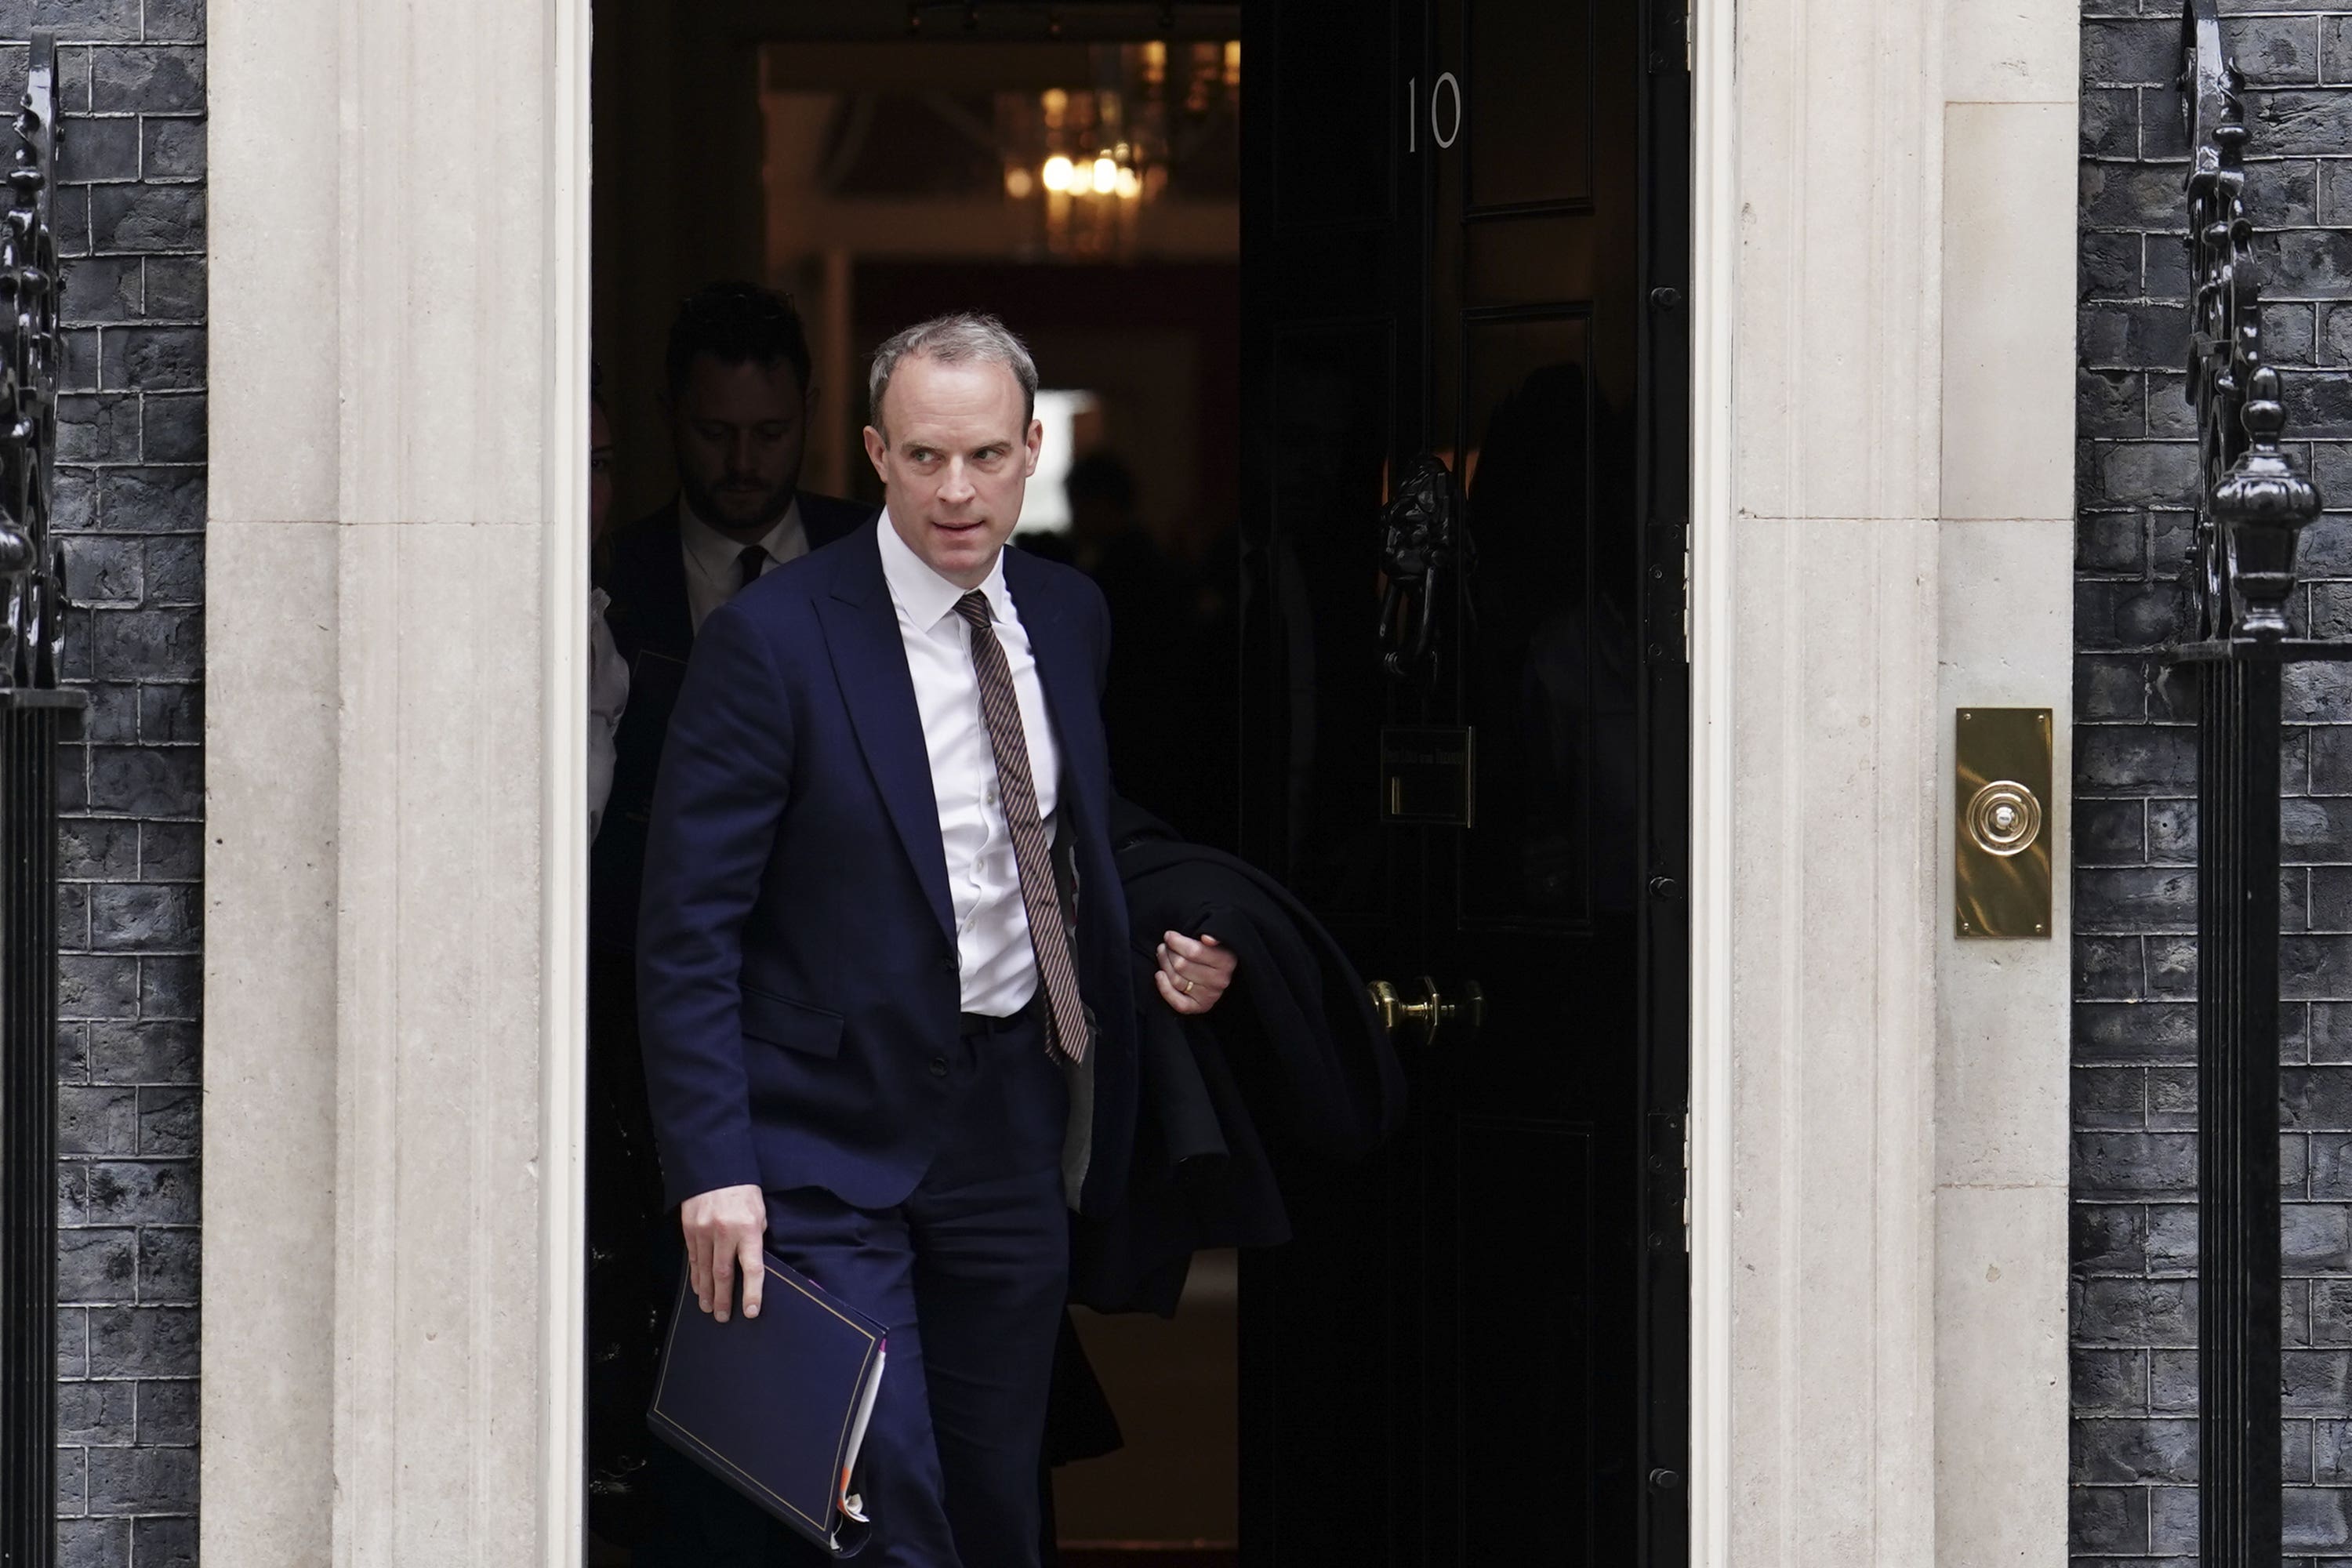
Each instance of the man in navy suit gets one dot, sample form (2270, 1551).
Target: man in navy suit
(736, 393)
(884, 957)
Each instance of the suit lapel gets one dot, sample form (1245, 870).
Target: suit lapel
(861, 631)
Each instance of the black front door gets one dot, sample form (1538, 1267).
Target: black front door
(1464, 240)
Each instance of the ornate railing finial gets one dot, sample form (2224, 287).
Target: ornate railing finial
(2252, 503)
(32, 575)
(2258, 510)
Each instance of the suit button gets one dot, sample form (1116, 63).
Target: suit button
(939, 1067)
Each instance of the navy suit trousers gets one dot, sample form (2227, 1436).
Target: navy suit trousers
(971, 1274)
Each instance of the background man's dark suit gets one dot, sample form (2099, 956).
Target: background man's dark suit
(653, 626)
(799, 972)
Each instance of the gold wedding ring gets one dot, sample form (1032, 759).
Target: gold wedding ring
(1188, 988)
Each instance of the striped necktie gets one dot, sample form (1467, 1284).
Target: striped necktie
(1040, 896)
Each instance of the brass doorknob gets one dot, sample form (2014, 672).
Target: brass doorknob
(1464, 1011)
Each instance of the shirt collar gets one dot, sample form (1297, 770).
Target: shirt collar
(927, 597)
(715, 553)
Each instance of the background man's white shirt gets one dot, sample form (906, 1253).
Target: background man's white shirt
(608, 696)
(712, 575)
(993, 946)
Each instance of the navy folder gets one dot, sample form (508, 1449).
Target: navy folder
(776, 1406)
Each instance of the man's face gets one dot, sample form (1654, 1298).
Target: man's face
(957, 456)
(600, 470)
(740, 431)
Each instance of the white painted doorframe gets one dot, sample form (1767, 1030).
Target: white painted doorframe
(564, 887)
(1714, 245)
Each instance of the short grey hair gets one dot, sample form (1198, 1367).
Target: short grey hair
(962, 337)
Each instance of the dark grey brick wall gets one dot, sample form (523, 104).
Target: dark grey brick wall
(2134, 1229)
(131, 494)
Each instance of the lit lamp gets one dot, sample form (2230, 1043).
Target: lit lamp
(1094, 157)
(1101, 176)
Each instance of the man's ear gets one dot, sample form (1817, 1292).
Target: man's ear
(1036, 440)
(876, 449)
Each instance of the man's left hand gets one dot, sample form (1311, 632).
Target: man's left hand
(1193, 972)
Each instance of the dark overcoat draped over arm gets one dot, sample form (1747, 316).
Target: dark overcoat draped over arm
(1292, 1062)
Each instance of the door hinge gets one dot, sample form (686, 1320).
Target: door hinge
(1666, 592)
(1663, 25)
(1686, 639)
(1690, 35)
(1668, 1203)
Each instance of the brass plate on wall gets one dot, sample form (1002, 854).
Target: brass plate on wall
(2000, 864)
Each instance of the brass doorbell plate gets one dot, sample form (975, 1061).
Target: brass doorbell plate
(2000, 883)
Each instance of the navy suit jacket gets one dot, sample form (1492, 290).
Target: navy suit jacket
(798, 984)
(652, 622)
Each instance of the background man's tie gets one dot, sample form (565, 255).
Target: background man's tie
(1049, 932)
(749, 565)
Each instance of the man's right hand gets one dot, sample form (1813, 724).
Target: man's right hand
(723, 1229)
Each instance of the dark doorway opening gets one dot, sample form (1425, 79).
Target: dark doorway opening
(1377, 229)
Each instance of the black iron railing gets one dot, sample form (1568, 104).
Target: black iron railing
(32, 714)
(2235, 638)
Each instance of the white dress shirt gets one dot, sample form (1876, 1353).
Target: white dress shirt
(999, 964)
(608, 696)
(712, 575)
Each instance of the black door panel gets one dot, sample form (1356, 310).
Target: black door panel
(1463, 234)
